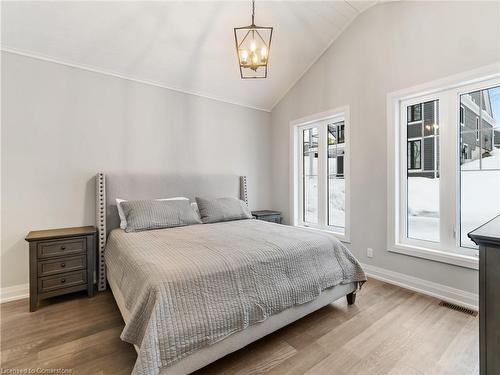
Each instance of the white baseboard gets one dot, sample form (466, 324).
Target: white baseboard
(13, 293)
(440, 291)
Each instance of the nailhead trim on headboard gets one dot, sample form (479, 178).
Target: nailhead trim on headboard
(243, 189)
(101, 229)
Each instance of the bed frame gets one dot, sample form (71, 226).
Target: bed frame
(144, 186)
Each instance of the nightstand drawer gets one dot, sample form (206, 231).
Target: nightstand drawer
(62, 247)
(271, 218)
(267, 215)
(55, 266)
(64, 280)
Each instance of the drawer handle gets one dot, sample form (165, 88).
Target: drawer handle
(63, 247)
(63, 281)
(63, 265)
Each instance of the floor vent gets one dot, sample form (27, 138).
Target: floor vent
(458, 308)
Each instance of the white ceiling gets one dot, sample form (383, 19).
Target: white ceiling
(182, 45)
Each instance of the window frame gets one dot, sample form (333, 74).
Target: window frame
(296, 186)
(447, 91)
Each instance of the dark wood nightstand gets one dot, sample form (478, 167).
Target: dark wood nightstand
(487, 237)
(61, 261)
(267, 215)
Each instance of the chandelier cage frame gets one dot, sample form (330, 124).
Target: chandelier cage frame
(256, 33)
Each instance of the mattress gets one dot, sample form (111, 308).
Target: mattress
(189, 288)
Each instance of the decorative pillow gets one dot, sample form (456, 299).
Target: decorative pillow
(156, 214)
(222, 209)
(123, 219)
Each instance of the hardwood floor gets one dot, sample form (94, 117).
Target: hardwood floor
(388, 331)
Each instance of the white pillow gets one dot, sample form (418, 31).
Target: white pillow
(123, 218)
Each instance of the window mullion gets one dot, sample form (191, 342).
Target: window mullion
(402, 183)
(322, 174)
(447, 189)
(300, 174)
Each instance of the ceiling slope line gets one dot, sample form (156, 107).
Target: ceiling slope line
(316, 59)
(125, 77)
(348, 2)
(352, 6)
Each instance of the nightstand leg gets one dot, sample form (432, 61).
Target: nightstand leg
(33, 278)
(91, 246)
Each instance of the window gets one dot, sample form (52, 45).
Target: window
(422, 175)
(480, 166)
(336, 181)
(415, 113)
(310, 175)
(444, 167)
(414, 159)
(321, 173)
(465, 151)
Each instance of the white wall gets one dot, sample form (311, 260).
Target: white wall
(61, 125)
(390, 47)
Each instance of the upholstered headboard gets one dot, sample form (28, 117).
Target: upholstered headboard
(151, 186)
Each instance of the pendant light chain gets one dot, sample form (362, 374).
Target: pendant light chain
(253, 12)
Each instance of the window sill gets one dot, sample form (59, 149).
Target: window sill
(466, 261)
(341, 237)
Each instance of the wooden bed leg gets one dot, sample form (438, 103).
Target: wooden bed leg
(351, 298)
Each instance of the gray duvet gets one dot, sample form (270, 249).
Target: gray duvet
(190, 287)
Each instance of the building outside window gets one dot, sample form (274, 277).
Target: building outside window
(414, 155)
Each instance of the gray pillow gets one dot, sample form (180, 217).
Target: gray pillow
(156, 214)
(222, 209)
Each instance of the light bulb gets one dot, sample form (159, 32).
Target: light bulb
(255, 59)
(253, 46)
(263, 54)
(244, 56)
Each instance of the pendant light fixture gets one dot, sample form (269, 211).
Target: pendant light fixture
(253, 45)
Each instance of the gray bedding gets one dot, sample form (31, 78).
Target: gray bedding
(192, 286)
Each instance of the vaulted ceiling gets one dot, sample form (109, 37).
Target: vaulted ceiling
(182, 45)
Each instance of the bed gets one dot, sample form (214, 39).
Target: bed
(193, 294)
